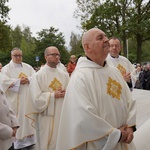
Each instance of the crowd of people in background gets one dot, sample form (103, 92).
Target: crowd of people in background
(143, 76)
(37, 95)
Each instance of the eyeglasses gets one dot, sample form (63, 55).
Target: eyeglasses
(114, 45)
(17, 56)
(54, 55)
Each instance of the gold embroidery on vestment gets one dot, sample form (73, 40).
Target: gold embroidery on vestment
(121, 69)
(55, 84)
(22, 75)
(114, 88)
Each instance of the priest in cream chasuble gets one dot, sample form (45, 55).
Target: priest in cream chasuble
(97, 103)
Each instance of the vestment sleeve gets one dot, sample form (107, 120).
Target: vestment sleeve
(5, 131)
(5, 81)
(14, 120)
(43, 101)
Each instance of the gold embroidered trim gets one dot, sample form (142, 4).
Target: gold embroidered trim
(114, 88)
(55, 84)
(93, 140)
(121, 69)
(51, 131)
(18, 105)
(22, 75)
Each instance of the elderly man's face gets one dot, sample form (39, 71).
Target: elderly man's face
(99, 44)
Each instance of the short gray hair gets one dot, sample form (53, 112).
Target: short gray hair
(15, 48)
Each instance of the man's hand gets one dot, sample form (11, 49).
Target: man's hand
(11, 85)
(24, 80)
(60, 93)
(124, 134)
(130, 135)
(14, 131)
(127, 134)
(127, 77)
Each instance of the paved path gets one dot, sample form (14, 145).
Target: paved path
(142, 135)
(143, 105)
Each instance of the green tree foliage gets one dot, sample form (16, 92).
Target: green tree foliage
(85, 9)
(76, 45)
(5, 43)
(4, 10)
(28, 46)
(146, 54)
(51, 37)
(139, 25)
(4, 37)
(16, 36)
(121, 18)
(145, 57)
(23, 39)
(111, 16)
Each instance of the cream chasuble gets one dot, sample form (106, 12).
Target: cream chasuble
(124, 66)
(18, 99)
(97, 102)
(44, 109)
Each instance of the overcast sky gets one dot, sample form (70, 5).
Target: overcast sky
(42, 14)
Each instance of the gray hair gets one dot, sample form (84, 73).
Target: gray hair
(15, 48)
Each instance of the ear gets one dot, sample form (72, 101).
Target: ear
(87, 48)
(45, 57)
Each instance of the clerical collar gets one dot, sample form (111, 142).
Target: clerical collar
(18, 65)
(89, 58)
(92, 60)
(115, 57)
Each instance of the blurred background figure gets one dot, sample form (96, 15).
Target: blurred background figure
(72, 64)
(138, 65)
(146, 78)
(138, 74)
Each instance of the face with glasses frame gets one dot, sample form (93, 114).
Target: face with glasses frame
(52, 56)
(16, 56)
(115, 47)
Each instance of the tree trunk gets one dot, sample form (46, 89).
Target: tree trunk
(139, 48)
(124, 39)
(125, 47)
